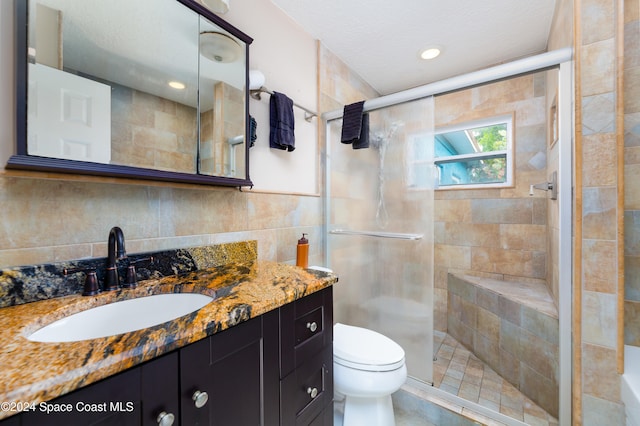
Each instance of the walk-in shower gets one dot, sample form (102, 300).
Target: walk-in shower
(380, 201)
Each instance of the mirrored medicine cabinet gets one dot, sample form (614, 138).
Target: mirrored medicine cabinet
(147, 89)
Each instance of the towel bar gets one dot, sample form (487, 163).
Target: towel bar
(396, 235)
(308, 114)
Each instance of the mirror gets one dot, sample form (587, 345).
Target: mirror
(153, 89)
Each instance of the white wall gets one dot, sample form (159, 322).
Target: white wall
(281, 50)
(287, 57)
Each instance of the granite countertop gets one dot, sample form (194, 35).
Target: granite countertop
(34, 372)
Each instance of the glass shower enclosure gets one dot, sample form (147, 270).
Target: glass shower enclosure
(379, 219)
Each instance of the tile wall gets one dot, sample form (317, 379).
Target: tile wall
(498, 233)
(152, 132)
(598, 356)
(516, 336)
(632, 171)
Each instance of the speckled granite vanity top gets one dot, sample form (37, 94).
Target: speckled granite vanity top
(33, 372)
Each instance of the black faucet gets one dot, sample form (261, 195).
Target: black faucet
(116, 242)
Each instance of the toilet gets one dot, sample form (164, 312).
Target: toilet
(367, 368)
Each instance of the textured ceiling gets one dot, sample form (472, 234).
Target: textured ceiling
(381, 40)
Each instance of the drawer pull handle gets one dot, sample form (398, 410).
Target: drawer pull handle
(200, 398)
(165, 419)
(313, 326)
(313, 392)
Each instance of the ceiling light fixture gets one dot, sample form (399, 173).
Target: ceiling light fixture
(219, 47)
(217, 6)
(430, 53)
(177, 85)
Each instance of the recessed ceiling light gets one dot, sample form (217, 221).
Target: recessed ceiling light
(177, 85)
(430, 53)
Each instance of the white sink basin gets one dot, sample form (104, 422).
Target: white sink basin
(120, 317)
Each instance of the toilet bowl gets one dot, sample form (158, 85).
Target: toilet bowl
(367, 368)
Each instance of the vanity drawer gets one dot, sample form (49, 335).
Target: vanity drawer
(306, 329)
(309, 325)
(308, 389)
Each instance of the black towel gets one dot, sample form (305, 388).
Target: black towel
(352, 122)
(363, 140)
(253, 135)
(281, 134)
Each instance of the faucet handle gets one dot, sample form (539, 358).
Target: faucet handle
(91, 287)
(131, 280)
(111, 280)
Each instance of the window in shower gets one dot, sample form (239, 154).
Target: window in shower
(475, 154)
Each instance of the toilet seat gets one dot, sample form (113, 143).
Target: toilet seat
(363, 349)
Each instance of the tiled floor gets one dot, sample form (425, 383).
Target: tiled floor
(459, 372)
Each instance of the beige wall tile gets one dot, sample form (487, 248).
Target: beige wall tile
(599, 313)
(632, 322)
(598, 363)
(600, 267)
(598, 17)
(598, 67)
(599, 153)
(599, 212)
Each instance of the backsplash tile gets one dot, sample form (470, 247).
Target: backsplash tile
(26, 284)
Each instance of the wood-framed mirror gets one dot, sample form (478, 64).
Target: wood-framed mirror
(151, 89)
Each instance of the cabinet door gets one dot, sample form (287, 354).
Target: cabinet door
(308, 390)
(160, 394)
(228, 368)
(114, 401)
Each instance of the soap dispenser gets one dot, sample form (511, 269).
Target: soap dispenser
(302, 258)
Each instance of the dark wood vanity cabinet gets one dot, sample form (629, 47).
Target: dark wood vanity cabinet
(306, 360)
(275, 369)
(221, 378)
(132, 398)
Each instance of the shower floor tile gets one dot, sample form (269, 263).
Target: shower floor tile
(459, 372)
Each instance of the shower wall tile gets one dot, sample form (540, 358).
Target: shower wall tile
(501, 211)
(632, 322)
(632, 129)
(597, 15)
(453, 211)
(632, 278)
(509, 262)
(598, 411)
(598, 113)
(599, 311)
(488, 324)
(502, 231)
(600, 267)
(518, 341)
(598, 67)
(600, 151)
(504, 92)
(523, 237)
(546, 389)
(597, 363)
(632, 187)
(599, 211)
(468, 234)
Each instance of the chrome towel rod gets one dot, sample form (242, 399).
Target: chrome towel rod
(255, 94)
(396, 235)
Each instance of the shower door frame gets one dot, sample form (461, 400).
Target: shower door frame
(563, 60)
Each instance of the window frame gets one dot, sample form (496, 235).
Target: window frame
(509, 120)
